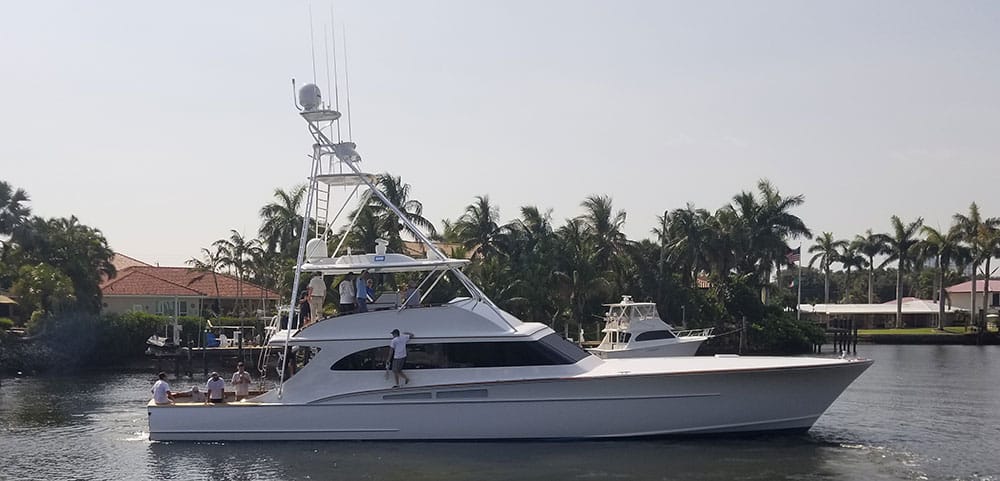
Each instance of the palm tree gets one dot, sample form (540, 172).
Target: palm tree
(236, 253)
(529, 245)
(901, 246)
(849, 258)
(579, 278)
(947, 249)
(211, 261)
(397, 193)
(776, 225)
(479, 228)
(758, 227)
(971, 226)
(281, 221)
(602, 226)
(989, 244)
(13, 211)
(827, 252)
(448, 232)
(682, 234)
(870, 245)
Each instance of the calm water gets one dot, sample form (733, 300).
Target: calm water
(921, 412)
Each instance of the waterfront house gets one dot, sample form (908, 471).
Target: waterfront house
(186, 291)
(960, 295)
(916, 313)
(7, 306)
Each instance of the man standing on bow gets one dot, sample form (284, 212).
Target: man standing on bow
(397, 355)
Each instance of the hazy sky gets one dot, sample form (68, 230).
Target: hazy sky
(165, 124)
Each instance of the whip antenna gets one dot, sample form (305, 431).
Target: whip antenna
(347, 85)
(336, 92)
(312, 42)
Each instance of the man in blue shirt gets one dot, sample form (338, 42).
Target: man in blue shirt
(361, 291)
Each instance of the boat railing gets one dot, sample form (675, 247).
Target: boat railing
(706, 332)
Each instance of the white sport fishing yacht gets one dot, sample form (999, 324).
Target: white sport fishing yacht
(634, 329)
(476, 371)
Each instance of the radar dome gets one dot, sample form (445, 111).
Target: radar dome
(310, 97)
(316, 250)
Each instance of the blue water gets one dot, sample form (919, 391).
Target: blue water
(921, 412)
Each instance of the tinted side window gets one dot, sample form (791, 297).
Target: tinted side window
(548, 351)
(570, 351)
(651, 335)
(366, 360)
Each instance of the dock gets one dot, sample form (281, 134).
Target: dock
(183, 360)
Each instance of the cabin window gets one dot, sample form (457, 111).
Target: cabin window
(618, 337)
(548, 351)
(996, 299)
(652, 335)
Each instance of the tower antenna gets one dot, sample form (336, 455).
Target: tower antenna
(312, 42)
(336, 92)
(326, 51)
(347, 85)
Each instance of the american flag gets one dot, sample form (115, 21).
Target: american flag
(794, 255)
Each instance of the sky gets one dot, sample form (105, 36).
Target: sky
(166, 124)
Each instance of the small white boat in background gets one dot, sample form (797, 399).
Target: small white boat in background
(634, 329)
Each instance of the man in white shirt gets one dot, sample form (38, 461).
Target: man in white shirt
(241, 381)
(347, 298)
(161, 390)
(317, 296)
(397, 352)
(216, 387)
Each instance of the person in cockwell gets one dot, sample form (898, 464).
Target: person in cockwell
(241, 381)
(216, 387)
(161, 390)
(317, 296)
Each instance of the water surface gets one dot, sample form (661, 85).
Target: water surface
(921, 412)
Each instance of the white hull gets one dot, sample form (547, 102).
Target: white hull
(782, 398)
(679, 347)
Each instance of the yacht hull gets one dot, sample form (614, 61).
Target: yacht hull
(620, 406)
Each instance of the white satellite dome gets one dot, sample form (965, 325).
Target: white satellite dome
(310, 97)
(316, 250)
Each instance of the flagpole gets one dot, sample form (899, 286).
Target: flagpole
(798, 303)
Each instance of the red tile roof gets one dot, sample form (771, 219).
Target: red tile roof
(137, 283)
(146, 280)
(980, 286)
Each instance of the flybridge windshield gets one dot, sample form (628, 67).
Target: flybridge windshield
(641, 312)
(547, 351)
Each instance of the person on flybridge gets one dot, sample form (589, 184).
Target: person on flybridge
(317, 296)
(347, 298)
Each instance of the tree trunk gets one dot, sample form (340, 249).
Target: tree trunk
(972, 305)
(826, 285)
(871, 278)
(940, 295)
(847, 285)
(899, 298)
(986, 296)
